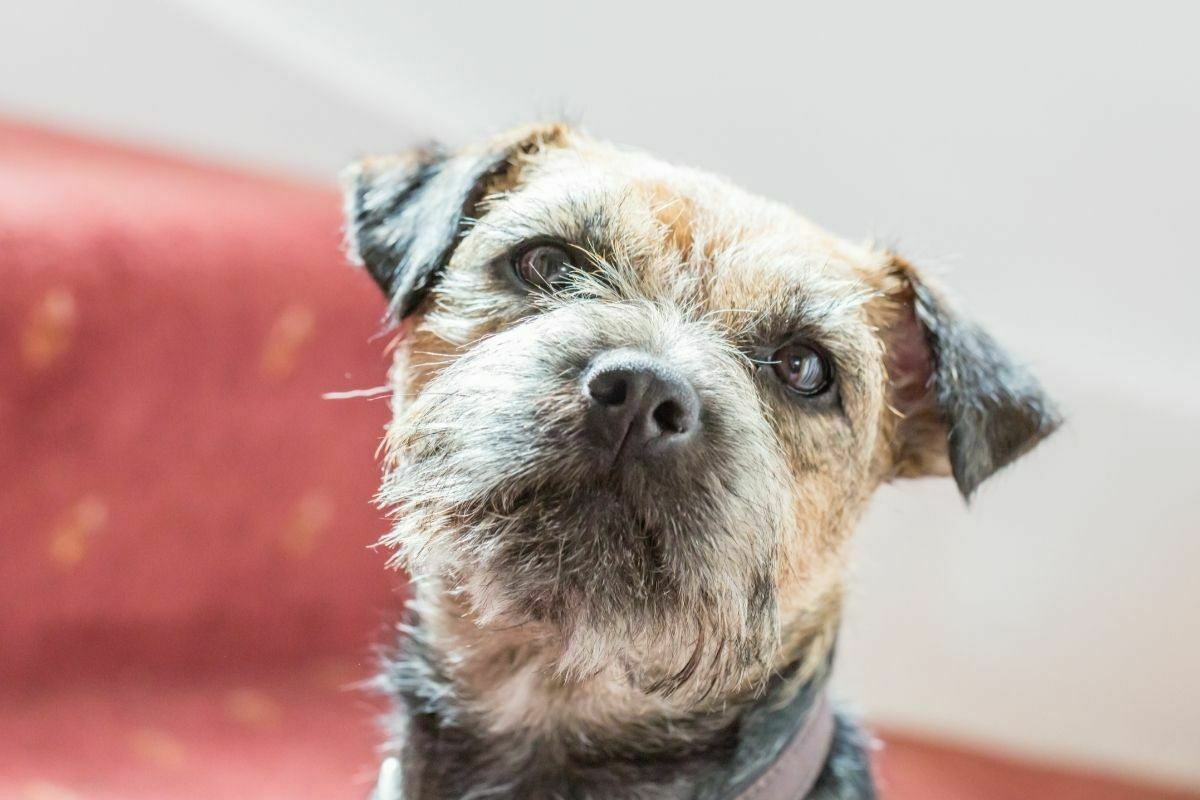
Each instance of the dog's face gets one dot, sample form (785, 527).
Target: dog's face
(639, 411)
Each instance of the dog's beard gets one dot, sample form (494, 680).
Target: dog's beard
(621, 579)
(668, 574)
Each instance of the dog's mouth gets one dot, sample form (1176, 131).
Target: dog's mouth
(606, 497)
(578, 516)
(560, 549)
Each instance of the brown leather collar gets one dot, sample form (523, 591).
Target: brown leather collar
(796, 769)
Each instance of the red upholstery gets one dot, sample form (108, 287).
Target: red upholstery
(186, 586)
(186, 582)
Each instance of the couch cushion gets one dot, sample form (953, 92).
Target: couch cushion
(174, 491)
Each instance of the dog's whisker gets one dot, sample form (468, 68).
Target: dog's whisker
(356, 393)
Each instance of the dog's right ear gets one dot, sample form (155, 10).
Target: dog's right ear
(405, 213)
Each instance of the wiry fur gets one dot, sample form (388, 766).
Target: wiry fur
(708, 757)
(591, 632)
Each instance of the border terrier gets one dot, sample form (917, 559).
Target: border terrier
(637, 414)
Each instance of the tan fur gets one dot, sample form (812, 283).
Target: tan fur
(738, 264)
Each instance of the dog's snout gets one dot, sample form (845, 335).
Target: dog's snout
(638, 404)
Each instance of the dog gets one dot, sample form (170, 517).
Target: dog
(637, 415)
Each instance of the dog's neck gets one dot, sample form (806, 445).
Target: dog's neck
(482, 711)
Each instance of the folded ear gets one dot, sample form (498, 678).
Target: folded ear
(966, 408)
(405, 213)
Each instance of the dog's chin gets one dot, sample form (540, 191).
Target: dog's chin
(616, 564)
(581, 554)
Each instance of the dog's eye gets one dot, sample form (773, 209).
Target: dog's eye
(803, 368)
(543, 266)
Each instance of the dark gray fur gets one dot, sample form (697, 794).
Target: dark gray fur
(405, 217)
(446, 756)
(993, 409)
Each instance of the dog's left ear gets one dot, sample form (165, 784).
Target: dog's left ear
(966, 407)
(405, 213)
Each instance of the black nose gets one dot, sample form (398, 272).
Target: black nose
(639, 406)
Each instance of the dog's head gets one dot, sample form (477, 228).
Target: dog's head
(640, 410)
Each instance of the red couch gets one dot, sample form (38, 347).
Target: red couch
(187, 587)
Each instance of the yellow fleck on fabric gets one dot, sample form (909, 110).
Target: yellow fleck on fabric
(285, 341)
(308, 523)
(252, 708)
(49, 330)
(75, 529)
(158, 748)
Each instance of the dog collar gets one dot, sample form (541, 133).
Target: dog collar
(786, 769)
(798, 766)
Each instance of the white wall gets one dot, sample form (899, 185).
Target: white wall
(1045, 159)
(148, 72)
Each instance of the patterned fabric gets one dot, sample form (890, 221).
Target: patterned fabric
(186, 582)
(186, 589)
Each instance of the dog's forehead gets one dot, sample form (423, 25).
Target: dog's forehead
(744, 246)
